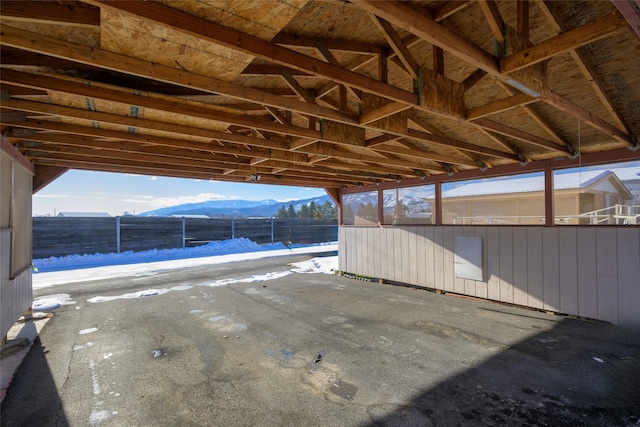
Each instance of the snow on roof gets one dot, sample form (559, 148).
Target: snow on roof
(563, 181)
(627, 174)
(84, 214)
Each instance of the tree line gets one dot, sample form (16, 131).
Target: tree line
(311, 211)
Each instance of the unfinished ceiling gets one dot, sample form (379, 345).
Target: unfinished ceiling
(315, 93)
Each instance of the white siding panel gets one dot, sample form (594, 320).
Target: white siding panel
(438, 250)
(568, 259)
(550, 269)
(469, 285)
(534, 267)
(587, 273)
(607, 265)
(629, 277)
(430, 272)
(413, 255)
(493, 263)
(421, 256)
(16, 295)
(448, 257)
(506, 264)
(520, 261)
(482, 288)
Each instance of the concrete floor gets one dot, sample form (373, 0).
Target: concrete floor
(315, 350)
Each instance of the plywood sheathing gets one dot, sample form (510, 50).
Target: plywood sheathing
(81, 35)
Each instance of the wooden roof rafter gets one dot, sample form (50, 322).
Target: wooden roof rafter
(342, 114)
(427, 29)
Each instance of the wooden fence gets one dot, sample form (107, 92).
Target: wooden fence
(59, 236)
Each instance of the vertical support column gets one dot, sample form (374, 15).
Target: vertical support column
(117, 234)
(438, 206)
(184, 232)
(271, 230)
(380, 207)
(549, 217)
(233, 228)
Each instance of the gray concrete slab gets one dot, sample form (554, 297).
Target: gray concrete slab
(315, 350)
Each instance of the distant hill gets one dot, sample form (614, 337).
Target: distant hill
(235, 208)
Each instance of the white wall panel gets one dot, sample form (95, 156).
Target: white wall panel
(586, 271)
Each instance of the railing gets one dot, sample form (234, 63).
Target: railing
(612, 215)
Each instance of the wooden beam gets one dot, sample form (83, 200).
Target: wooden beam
(334, 194)
(573, 109)
(50, 13)
(523, 18)
(297, 87)
(344, 45)
(90, 131)
(386, 110)
(438, 60)
(16, 155)
(46, 45)
(427, 29)
(44, 175)
(585, 67)
(630, 9)
(270, 70)
(170, 104)
(521, 135)
(450, 8)
(423, 155)
(128, 151)
(494, 19)
(99, 117)
(452, 143)
(500, 105)
(533, 114)
(382, 139)
(216, 33)
(324, 50)
(473, 78)
(401, 50)
(572, 39)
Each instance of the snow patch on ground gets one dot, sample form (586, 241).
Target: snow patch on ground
(73, 269)
(327, 265)
(72, 262)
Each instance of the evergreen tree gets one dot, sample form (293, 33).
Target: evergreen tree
(347, 214)
(282, 213)
(305, 212)
(291, 213)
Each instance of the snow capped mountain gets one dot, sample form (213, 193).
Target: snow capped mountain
(234, 208)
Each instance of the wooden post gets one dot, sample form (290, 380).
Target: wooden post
(438, 204)
(549, 218)
(233, 228)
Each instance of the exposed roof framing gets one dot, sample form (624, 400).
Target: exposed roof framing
(329, 94)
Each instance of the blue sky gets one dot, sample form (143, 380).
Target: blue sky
(84, 191)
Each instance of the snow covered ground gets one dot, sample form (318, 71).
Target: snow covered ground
(80, 268)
